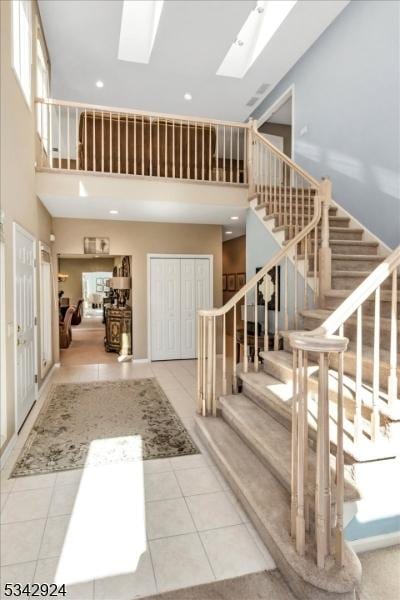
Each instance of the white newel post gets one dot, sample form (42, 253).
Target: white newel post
(325, 253)
(250, 157)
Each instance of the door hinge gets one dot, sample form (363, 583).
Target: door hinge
(36, 379)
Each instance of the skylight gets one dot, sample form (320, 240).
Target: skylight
(259, 27)
(139, 24)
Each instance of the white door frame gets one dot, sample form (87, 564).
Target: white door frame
(46, 248)
(289, 93)
(210, 257)
(17, 227)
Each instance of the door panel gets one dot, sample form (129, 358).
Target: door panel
(202, 275)
(188, 308)
(24, 253)
(165, 308)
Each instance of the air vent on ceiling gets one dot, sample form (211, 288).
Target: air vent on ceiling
(263, 88)
(252, 101)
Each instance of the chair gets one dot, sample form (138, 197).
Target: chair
(77, 315)
(65, 328)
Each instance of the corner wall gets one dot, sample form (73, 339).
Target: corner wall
(347, 94)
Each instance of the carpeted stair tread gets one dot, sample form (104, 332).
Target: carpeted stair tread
(268, 505)
(270, 441)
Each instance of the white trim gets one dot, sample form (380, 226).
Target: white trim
(17, 227)
(289, 93)
(7, 451)
(139, 361)
(375, 542)
(210, 257)
(3, 337)
(45, 369)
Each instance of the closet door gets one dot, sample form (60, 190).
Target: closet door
(188, 308)
(202, 279)
(165, 308)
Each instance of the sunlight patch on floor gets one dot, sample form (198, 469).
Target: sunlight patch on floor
(106, 534)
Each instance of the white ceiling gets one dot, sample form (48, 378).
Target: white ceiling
(192, 40)
(81, 207)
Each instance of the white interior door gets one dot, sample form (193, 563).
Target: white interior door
(165, 308)
(179, 287)
(24, 290)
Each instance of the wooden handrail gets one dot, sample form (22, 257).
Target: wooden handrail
(144, 113)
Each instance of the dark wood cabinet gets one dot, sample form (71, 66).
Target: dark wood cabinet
(118, 330)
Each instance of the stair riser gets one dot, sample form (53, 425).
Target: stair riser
(339, 282)
(368, 308)
(340, 264)
(350, 331)
(344, 249)
(298, 219)
(343, 234)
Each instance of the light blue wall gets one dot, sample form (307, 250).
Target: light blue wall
(347, 92)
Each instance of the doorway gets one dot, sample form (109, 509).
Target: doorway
(24, 250)
(179, 286)
(277, 124)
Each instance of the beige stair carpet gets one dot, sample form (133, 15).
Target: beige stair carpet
(99, 423)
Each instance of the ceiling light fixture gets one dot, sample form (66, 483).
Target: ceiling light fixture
(235, 218)
(187, 96)
(99, 84)
(113, 211)
(228, 232)
(261, 24)
(139, 25)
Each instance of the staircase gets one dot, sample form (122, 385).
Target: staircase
(289, 429)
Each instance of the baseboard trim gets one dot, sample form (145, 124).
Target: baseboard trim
(138, 361)
(7, 451)
(375, 542)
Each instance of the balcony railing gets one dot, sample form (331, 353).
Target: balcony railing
(90, 138)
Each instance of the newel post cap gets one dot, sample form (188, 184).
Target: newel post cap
(310, 343)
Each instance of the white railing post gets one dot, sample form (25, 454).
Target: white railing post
(250, 157)
(325, 253)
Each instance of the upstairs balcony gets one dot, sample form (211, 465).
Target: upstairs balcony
(90, 151)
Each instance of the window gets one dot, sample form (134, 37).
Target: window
(42, 91)
(22, 47)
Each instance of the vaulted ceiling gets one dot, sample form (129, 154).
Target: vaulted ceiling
(192, 40)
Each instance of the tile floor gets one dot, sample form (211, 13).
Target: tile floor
(127, 531)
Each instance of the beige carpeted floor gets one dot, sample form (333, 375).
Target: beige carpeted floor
(381, 581)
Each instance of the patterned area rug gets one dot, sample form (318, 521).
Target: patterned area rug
(99, 423)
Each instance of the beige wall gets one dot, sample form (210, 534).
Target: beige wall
(74, 267)
(18, 200)
(137, 240)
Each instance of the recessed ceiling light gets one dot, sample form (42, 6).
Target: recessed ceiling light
(99, 84)
(235, 218)
(187, 96)
(113, 212)
(228, 232)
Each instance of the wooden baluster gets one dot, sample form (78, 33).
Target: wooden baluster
(158, 146)
(223, 161)
(323, 488)
(143, 173)
(290, 208)
(199, 365)
(276, 208)
(245, 343)
(306, 266)
(205, 387)
(234, 365)
(126, 144)
(303, 204)
(77, 162)
(188, 149)
(217, 154)
(119, 142)
(43, 110)
(300, 520)
(305, 454)
(173, 148)
(111, 149)
(293, 486)
(325, 253)
(245, 162)
(68, 142)
(339, 536)
(358, 427)
(266, 292)
(166, 150)
(277, 292)
(210, 348)
(94, 140)
(210, 154)
(237, 155)
(181, 152)
(102, 141)
(392, 379)
(214, 368)
(224, 354)
(59, 136)
(297, 210)
(375, 416)
(286, 308)
(296, 268)
(202, 153)
(51, 143)
(134, 145)
(195, 152)
(151, 146)
(230, 157)
(256, 328)
(315, 264)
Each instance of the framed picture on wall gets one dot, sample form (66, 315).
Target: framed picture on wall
(99, 288)
(240, 280)
(224, 283)
(93, 245)
(231, 282)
